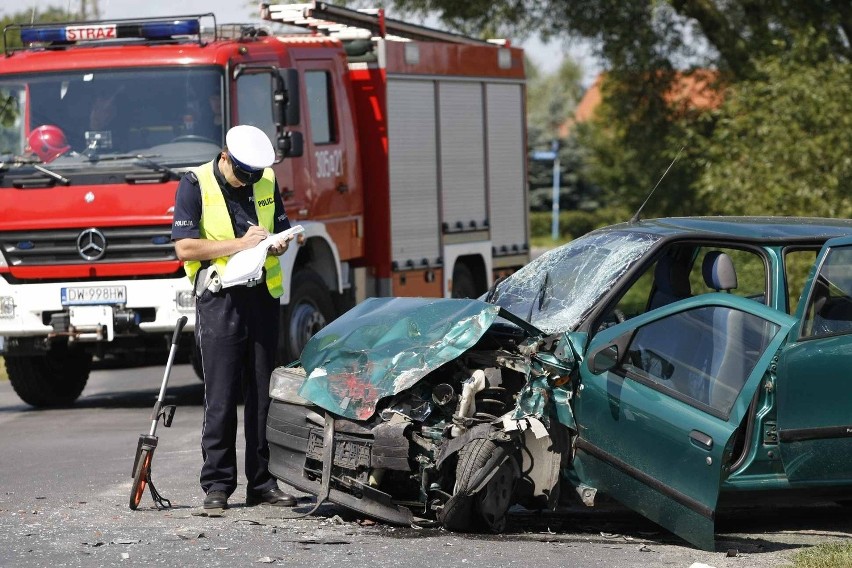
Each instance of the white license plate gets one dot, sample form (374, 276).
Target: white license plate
(89, 295)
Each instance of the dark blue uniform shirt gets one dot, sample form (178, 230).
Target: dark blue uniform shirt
(240, 202)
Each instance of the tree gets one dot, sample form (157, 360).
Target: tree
(654, 34)
(781, 143)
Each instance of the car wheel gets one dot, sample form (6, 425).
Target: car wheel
(494, 500)
(310, 309)
(54, 379)
(487, 508)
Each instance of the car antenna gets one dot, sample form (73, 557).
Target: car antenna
(635, 217)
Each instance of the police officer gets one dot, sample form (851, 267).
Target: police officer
(222, 207)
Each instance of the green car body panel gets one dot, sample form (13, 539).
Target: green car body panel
(654, 453)
(815, 383)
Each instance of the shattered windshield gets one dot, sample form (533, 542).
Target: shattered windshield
(79, 119)
(556, 290)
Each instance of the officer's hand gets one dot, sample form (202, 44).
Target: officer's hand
(253, 236)
(280, 246)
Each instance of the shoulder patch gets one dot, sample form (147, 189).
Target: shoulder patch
(191, 177)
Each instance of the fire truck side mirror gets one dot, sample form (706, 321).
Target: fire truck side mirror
(291, 103)
(291, 144)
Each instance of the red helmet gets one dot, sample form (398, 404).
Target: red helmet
(48, 142)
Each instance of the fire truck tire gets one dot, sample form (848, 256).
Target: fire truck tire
(55, 379)
(310, 309)
(464, 284)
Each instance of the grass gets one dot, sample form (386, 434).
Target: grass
(826, 555)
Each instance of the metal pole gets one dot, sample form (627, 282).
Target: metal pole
(554, 226)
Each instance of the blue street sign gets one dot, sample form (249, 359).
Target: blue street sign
(543, 155)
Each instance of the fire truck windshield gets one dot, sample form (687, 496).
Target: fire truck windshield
(81, 118)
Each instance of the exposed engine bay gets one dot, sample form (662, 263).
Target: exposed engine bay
(463, 444)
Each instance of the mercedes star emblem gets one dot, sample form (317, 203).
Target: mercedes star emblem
(91, 244)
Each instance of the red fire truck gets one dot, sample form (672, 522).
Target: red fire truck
(401, 152)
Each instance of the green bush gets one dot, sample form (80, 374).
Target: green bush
(573, 224)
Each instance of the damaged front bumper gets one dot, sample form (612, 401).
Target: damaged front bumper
(296, 436)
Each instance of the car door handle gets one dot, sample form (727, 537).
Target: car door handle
(701, 440)
(342, 188)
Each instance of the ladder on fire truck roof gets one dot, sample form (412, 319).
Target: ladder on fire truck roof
(346, 23)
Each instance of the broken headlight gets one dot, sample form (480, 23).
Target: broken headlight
(285, 383)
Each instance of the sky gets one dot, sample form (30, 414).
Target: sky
(547, 57)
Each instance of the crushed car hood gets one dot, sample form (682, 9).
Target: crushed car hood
(384, 346)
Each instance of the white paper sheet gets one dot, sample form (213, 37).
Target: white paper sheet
(247, 265)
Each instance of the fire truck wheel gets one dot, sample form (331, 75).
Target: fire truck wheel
(464, 284)
(54, 379)
(310, 309)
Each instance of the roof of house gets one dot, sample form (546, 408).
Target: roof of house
(695, 90)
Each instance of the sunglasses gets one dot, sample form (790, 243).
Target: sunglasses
(245, 175)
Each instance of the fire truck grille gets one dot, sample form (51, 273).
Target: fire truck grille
(88, 246)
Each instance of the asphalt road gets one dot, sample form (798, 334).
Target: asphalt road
(65, 483)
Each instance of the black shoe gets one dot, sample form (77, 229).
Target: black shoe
(272, 496)
(216, 500)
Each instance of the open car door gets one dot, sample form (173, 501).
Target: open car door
(814, 382)
(661, 397)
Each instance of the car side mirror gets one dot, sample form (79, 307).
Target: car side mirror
(609, 356)
(604, 359)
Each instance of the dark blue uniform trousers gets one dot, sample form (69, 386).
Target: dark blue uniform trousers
(237, 332)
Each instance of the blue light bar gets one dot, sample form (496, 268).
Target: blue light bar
(32, 35)
(153, 30)
(165, 30)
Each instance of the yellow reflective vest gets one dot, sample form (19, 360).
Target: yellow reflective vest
(216, 222)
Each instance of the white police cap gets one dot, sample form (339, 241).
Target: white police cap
(250, 147)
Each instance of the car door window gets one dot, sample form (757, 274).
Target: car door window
(683, 270)
(797, 266)
(701, 356)
(749, 267)
(829, 310)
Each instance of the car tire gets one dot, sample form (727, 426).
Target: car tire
(54, 379)
(464, 284)
(486, 510)
(310, 309)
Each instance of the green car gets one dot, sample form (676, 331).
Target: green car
(669, 364)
